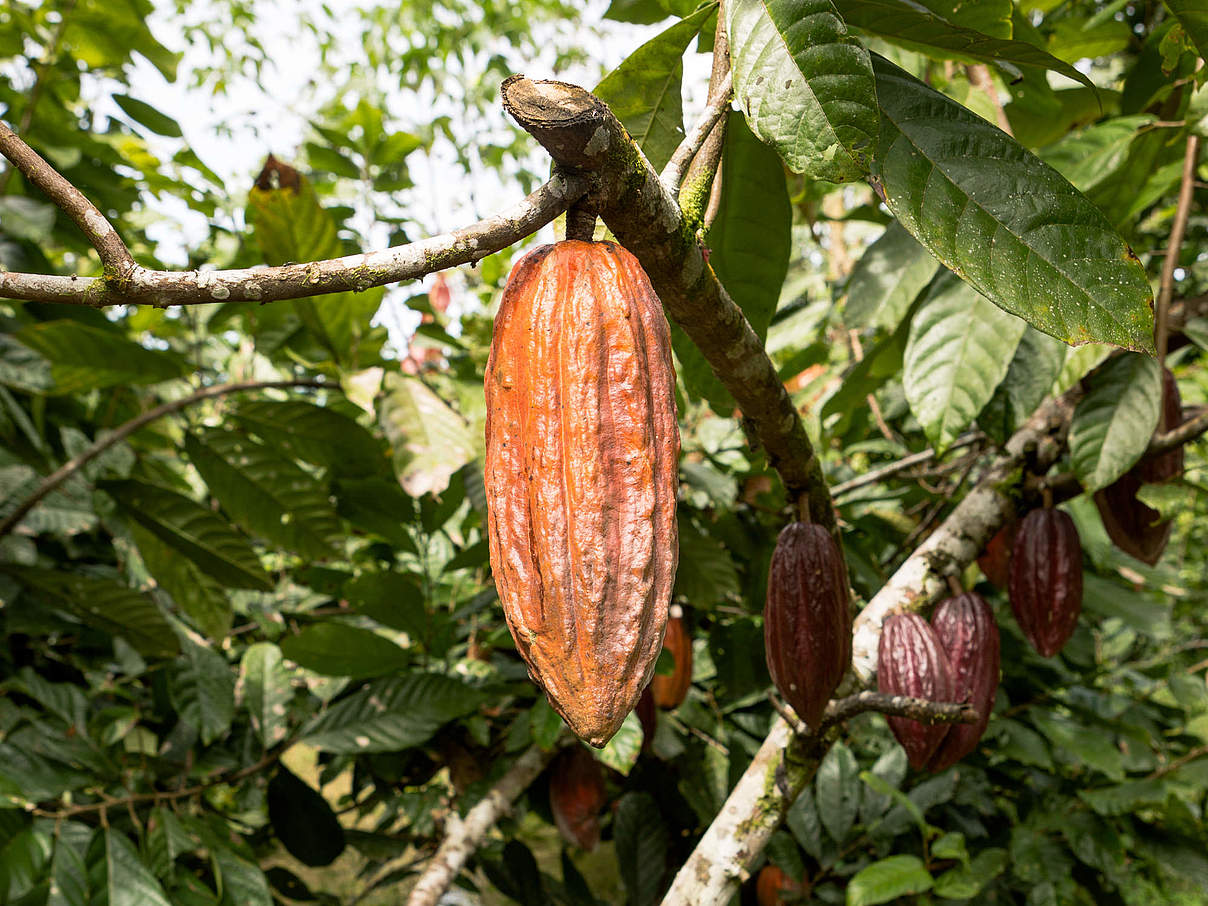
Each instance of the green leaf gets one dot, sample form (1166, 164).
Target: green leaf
(1004, 221)
(706, 573)
(644, 92)
(337, 649)
(1079, 361)
(68, 866)
(23, 860)
(267, 495)
(83, 357)
(890, 769)
(805, 85)
(315, 434)
(393, 599)
(990, 17)
(104, 604)
(622, 751)
(1084, 743)
(303, 820)
(146, 115)
(641, 843)
(1034, 367)
(887, 880)
(26, 218)
(966, 881)
(805, 824)
(115, 868)
(192, 530)
(166, 840)
(392, 714)
(202, 599)
(430, 440)
(914, 26)
(1194, 18)
(904, 805)
(888, 277)
(377, 504)
(1136, 610)
(959, 349)
(266, 691)
(202, 690)
(1112, 424)
(837, 791)
(1088, 157)
(242, 883)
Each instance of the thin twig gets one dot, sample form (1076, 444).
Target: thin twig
(73, 465)
(920, 709)
(905, 463)
(1178, 436)
(673, 173)
(1177, 231)
(1192, 755)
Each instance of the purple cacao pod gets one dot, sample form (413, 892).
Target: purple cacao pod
(1045, 584)
(967, 631)
(1168, 465)
(1134, 527)
(806, 624)
(911, 661)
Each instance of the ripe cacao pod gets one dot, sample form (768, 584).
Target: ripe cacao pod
(911, 661)
(806, 624)
(1134, 527)
(966, 629)
(670, 691)
(581, 477)
(1168, 465)
(995, 560)
(576, 796)
(1045, 584)
(773, 887)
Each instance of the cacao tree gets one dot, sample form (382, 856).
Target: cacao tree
(938, 312)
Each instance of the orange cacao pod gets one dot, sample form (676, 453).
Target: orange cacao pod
(773, 887)
(1167, 465)
(996, 558)
(670, 691)
(576, 796)
(966, 629)
(911, 661)
(1046, 579)
(806, 625)
(581, 476)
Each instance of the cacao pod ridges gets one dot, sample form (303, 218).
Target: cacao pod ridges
(806, 623)
(1045, 585)
(911, 661)
(577, 794)
(968, 634)
(581, 477)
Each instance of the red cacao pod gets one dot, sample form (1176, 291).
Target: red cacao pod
(966, 629)
(1134, 527)
(1168, 465)
(576, 796)
(648, 717)
(670, 691)
(1046, 579)
(773, 887)
(806, 624)
(995, 560)
(911, 661)
(581, 477)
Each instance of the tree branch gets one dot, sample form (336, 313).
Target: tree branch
(701, 184)
(926, 712)
(901, 465)
(673, 173)
(355, 273)
(115, 257)
(582, 135)
(73, 465)
(1179, 435)
(1173, 247)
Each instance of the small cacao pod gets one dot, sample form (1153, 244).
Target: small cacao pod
(911, 661)
(1168, 465)
(806, 624)
(1134, 527)
(576, 796)
(670, 691)
(1045, 584)
(581, 477)
(773, 887)
(648, 717)
(996, 558)
(969, 636)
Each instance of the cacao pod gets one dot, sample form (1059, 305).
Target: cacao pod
(806, 624)
(966, 629)
(576, 796)
(773, 887)
(581, 477)
(1045, 585)
(1134, 527)
(648, 717)
(1168, 465)
(995, 560)
(911, 661)
(670, 691)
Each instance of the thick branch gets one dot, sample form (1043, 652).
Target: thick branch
(919, 709)
(100, 232)
(582, 135)
(73, 465)
(464, 836)
(355, 273)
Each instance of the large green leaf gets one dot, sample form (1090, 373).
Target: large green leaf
(316, 434)
(893, 877)
(243, 883)
(837, 791)
(192, 530)
(83, 357)
(202, 689)
(393, 599)
(641, 844)
(1088, 157)
(431, 441)
(959, 350)
(267, 495)
(337, 649)
(195, 593)
(1114, 421)
(990, 17)
(912, 25)
(1035, 366)
(805, 85)
(392, 714)
(1193, 16)
(266, 691)
(104, 604)
(645, 90)
(1005, 221)
(888, 277)
(115, 868)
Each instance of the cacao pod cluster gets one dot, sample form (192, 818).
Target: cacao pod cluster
(954, 658)
(1133, 526)
(806, 623)
(581, 476)
(1045, 583)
